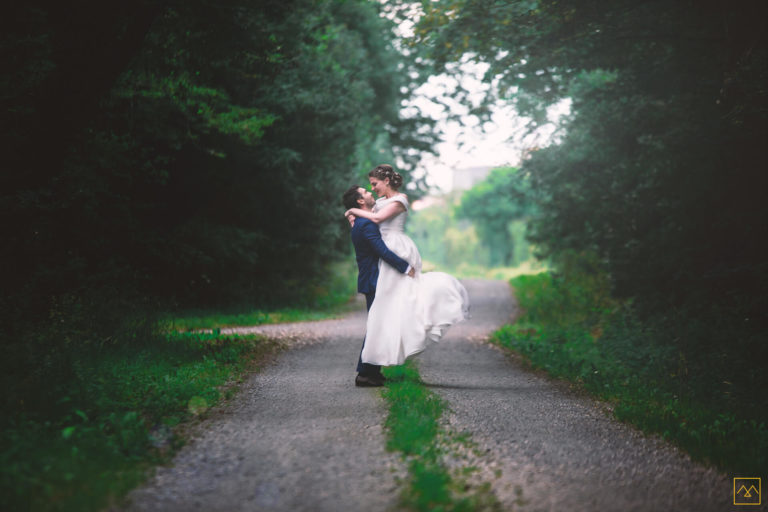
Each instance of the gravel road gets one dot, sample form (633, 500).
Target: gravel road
(299, 436)
(556, 449)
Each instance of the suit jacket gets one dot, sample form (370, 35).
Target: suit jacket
(369, 248)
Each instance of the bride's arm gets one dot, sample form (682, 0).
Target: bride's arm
(388, 211)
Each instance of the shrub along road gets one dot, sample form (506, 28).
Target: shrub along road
(300, 436)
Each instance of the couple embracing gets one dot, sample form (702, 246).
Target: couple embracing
(406, 308)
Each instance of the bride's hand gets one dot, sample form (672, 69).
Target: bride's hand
(347, 213)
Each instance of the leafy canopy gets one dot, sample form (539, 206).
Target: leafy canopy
(660, 170)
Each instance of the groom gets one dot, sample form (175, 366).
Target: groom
(369, 247)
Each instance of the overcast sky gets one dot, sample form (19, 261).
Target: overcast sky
(501, 143)
(464, 146)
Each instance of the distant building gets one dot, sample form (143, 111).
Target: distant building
(466, 178)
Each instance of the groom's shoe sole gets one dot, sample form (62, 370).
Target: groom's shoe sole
(362, 381)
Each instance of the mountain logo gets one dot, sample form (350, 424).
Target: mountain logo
(746, 491)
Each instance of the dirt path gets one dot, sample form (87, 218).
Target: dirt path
(301, 437)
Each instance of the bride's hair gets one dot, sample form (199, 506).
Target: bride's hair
(385, 171)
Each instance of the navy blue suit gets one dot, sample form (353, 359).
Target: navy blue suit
(369, 248)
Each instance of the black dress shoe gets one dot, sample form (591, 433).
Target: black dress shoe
(368, 381)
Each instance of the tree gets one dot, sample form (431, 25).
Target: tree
(660, 168)
(493, 205)
(442, 238)
(197, 153)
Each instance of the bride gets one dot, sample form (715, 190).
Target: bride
(407, 313)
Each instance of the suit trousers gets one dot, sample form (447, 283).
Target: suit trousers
(365, 368)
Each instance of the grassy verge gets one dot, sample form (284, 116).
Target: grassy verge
(686, 376)
(97, 393)
(327, 299)
(212, 319)
(415, 430)
(89, 438)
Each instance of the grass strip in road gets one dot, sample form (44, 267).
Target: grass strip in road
(86, 437)
(415, 430)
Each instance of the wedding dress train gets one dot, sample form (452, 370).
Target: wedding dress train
(409, 313)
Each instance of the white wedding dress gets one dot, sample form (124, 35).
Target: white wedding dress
(408, 312)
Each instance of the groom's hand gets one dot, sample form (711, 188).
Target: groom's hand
(412, 272)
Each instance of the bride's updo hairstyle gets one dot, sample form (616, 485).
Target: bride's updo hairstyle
(384, 171)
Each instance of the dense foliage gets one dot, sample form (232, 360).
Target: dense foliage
(661, 168)
(188, 151)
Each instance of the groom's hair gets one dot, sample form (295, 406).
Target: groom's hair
(351, 196)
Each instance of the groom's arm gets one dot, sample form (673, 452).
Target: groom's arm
(373, 235)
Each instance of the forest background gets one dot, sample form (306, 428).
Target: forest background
(164, 156)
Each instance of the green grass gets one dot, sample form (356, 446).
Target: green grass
(328, 298)
(212, 319)
(96, 432)
(687, 376)
(414, 429)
